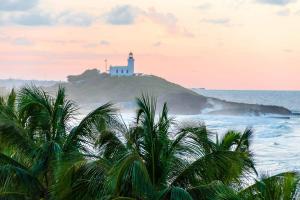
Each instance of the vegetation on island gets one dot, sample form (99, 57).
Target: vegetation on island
(101, 88)
(45, 155)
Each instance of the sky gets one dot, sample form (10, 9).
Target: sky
(219, 44)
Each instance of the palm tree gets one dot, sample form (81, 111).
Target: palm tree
(37, 142)
(149, 160)
(43, 157)
(283, 186)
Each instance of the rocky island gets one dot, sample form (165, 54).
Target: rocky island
(92, 88)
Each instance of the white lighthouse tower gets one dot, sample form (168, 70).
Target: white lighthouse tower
(130, 64)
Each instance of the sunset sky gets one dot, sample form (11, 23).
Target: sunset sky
(215, 44)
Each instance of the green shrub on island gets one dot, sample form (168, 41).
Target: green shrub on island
(44, 156)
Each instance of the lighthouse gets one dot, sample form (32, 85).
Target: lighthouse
(130, 64)
(123, 70)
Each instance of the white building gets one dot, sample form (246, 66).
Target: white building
(123, 70)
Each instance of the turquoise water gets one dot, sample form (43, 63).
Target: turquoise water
(276, 141)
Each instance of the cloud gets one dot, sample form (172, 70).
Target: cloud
(96, 44)
(119, 15)
(22, 41)
(33, 18)
(4, 37)
(17, 5)
(167, 20)
(104, 43)
(89, 45)
(187, 33)
(75, 19)
(288, 50)
(40, 18)
(157, 44)
(122, 15)
(297, 12)
(276, 2)
(127, 15)
(217, 21)
(204, 6)
(284, 12)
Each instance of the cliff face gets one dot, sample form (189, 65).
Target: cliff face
(93, 88)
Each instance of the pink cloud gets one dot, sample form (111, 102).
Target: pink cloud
(167, 20)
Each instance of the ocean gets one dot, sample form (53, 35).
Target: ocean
(288, 99)
(276, 141)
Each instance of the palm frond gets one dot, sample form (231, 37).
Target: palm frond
(130, 174)
(8, 107)
(86, 130)
(11, 100)
(229, 140)
(178, 193)
(12, 136)
(280, 186)
(13, 196)
(146, 111)
(4, 160)
(226, 166)
(63, 111)
(15, 177)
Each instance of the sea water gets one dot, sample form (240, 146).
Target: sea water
(288, 99)
(276, 140)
